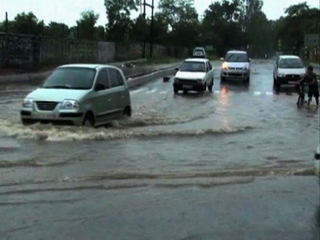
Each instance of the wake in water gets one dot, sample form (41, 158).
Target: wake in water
(55, 133)
(154, 119)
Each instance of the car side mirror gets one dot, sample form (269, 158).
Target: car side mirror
(99, 87)
(177, 69)
(221, 59)
(249, 59)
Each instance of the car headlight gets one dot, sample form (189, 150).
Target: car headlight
(27, 103)
(281, 75)
(245, 68)
(302, 75)
(69, 105)
(225, 66)
(176, 80)
(199, 80)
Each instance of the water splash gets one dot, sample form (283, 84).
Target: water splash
(59, 133)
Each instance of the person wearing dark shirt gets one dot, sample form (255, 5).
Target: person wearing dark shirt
(311, 79)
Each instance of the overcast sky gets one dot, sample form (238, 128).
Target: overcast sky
(68, 11)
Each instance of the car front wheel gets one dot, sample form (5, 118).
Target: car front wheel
(247, 81)
(88, 120)
(210, 86)
(276, 85)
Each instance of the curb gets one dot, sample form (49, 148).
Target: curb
(140, 80)
(36, 77)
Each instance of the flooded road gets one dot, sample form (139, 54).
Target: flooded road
(226, 137)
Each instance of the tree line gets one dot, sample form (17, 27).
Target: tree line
(229, 24)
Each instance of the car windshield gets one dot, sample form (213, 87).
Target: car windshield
(236, 57)
(71, 78)
(192, 67)
(290, 63)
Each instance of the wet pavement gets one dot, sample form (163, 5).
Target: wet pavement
(165, 167)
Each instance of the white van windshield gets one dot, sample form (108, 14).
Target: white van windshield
(290, 63)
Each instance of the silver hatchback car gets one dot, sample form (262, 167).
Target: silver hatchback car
(236, 66)
(79, 94)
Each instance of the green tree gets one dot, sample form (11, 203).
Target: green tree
(140, 29)
(160, 29)
(182, 19)
(57, 30)
(119, 22)
(99, 33)
(260, 35)
(86, 25)
(9, 26)
(258, 29)
(299, 20)
(221, 26)
(27, 23)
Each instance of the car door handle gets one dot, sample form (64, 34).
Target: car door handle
(122, 96)
(109, 100)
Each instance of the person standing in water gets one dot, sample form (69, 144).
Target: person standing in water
(311, 79)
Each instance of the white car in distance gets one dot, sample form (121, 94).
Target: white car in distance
(194, 74)
(236, 66)
(288, 70)
(199, 52)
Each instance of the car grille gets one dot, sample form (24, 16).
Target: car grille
(186, 81)
(293, 76)
(236, 69)
(235, 74)
(46, 106)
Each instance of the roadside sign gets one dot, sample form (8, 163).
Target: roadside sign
(311, 40)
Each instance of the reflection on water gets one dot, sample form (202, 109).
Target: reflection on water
(223, 108)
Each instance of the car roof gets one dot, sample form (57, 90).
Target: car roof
(87, 65)
(237, 51)
(196, 60)
(289, 56)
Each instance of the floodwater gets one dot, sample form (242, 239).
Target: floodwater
(234, 128)
(239, 132)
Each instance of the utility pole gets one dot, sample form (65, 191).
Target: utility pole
(144, 40)
(6, 23)
(151, 30)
